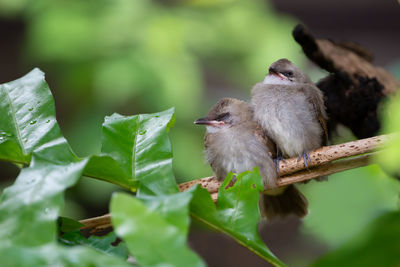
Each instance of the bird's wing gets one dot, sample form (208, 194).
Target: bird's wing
(316, 98)
(262, 136)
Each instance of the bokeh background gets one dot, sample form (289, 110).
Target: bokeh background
(132, 56)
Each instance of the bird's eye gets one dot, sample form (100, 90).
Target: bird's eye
(223, 116)
(288, 73)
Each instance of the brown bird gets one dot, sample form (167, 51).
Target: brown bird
(234, 142)
(291, 109)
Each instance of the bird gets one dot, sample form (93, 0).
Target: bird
(291, 109)
(234, 142)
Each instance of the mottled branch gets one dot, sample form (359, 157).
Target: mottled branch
(295, 171)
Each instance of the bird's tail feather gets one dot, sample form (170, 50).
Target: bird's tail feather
(291, 201)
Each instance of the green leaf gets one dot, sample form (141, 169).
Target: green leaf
(155, 231)
(106, 168)
(28, 117)
(56, 255)
(99, 243)
(68, 225)
(237, 213)
(30, 207)
(376, 245)
(142, 149)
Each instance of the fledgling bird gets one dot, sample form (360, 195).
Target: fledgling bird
(234, 142)
(291, 109)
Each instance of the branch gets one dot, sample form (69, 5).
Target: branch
(97, 224)
(318, 165)
(324, 161)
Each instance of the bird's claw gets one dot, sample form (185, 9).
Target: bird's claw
(276, 162)
(306, 158)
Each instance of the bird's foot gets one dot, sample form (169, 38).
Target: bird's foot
(276, 162)
(306, 158)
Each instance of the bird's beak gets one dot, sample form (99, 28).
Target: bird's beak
(205, 121)
(274, 72)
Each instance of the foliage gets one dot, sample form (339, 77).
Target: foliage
(30, 207)
(391, 117)
(375, 245)
(154, 225)
(155, 231)
(351, 200)
(236, 213)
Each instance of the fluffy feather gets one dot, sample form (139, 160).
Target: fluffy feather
(239, 144)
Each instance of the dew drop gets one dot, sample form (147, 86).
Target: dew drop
(32, 122)
(4, 135)
(47, 121)
(157, 116)
(142, 132)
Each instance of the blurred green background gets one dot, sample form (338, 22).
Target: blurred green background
(131, 56)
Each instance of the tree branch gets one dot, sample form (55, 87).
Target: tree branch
(324, 161)
(318, 165)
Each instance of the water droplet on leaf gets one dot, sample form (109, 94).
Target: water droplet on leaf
(32, 122)
(5, 134)
(47, 121)
(30, 109)
(142, 132)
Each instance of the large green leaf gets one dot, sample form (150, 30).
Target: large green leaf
(27, 117)
(29, 208)
(155, 231)
(237, 213)
(142, 149)
(376, 245)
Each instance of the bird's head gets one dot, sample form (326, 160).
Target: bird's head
(226, 113)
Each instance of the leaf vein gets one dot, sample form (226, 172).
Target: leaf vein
(14, 119)
(236, 204)
(134, 147)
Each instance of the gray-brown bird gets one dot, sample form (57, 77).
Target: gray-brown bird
(291, 109)
(234, 142)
